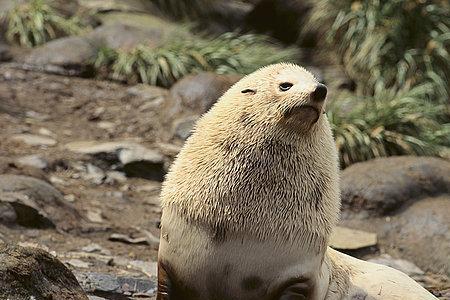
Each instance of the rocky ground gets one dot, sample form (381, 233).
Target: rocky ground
(82, 164)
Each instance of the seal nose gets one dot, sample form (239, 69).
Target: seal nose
(319, 93)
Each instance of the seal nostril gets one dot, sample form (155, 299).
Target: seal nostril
(319, 93)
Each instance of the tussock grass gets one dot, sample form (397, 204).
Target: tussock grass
(398, 53)
(385, 43)
(35, 22)
(228, 53)
(392, 122)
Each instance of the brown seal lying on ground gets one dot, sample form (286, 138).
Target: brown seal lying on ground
(250, 202)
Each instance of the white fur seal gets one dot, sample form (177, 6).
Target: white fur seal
(250, 202)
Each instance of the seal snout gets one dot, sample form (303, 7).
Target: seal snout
(319, 94)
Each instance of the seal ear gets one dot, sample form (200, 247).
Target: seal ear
(248, 91)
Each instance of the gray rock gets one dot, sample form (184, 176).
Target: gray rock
(31, 273)
(91, 248)
(129, 155)
(7, 214)
(149, 98)
(141, 6)
(77, 263)
(225, 16)
(95, 147)
(5, 54)
(72, 53)
(402, 265)
(199, 92)
(142, 162)
(36, 203)
(34, 140)
(34, 161)
(183, 127)
(94, 174)
(350, 239)
(108, 285)
(144, 21)
(286, 18)
(135, 160)
(95, 216)
(123, 36)
(118, 237)
(419, 233)
(113, 177)
(422, 234)
(96, 298)
(381, 186)
(10, 166)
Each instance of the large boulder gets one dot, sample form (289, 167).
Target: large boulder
(422, 233)
(225, 16)
(192, 96)
(381, 186)
(123, 36)
(150, 23)
(74, 55)
(286, 18)
(199, 92)
(406, 202)
(31, 202)
(419, 233)
(31, 273)
(71, 54)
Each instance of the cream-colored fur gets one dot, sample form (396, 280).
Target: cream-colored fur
(356, 279)
(254, 193)
(242, 171)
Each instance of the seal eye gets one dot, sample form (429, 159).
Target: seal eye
(285, 86)
(248, 91)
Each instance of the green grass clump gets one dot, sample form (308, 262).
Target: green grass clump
(386, 43)
(392, 122)
(228, 53)
(35, 22)
(398, 53)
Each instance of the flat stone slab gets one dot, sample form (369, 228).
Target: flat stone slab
(350, 239)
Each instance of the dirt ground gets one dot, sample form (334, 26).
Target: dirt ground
(73, 109)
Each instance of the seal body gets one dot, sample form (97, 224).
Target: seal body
(251, 199)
